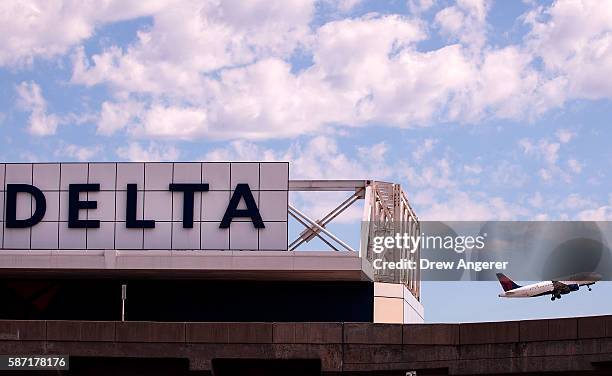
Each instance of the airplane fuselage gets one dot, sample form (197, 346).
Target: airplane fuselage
(543, 288)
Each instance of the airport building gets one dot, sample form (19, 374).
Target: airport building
(194, 242)
(212, 269)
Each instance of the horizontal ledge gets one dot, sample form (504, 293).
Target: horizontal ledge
(235, 275)
(275, 265)
(327, 185)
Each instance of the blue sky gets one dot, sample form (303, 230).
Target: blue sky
(483, 110)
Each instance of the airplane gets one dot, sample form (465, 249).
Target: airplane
(554, 288)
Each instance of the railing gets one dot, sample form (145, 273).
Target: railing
(386, 212)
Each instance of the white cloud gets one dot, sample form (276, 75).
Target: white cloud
(465, 22)
(574, 40)
(136, 152)
(196, 37)
(419, 6)
(30, 99)
(504, 85)
(545, 174)
(527, 145)
(437, 192)
(601, 213)
(242, 150)
(365, 70)
(116, 116)
(349, 82)
(591, 210)
(223, 70)
(537, 200)
(376, 153)
(424, 148)
(265, 100)
(575, 201)
(174, 122)
(548, 151)
(376, 75)
(574, 166)
(318, 158)
(226, 68)
(474, 169)
(436, 174)
(460, 205)
(508, 174)
(344, 5)
(79, 153)
(48, 28)
(565, 135)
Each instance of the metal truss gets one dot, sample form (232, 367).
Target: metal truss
(386, 211)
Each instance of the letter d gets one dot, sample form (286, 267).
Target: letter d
(11, 205)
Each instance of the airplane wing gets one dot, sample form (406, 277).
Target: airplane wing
(581, 278)
(560, 286)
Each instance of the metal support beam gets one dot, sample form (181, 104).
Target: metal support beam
(292, 248)
(325, 231)
(386, 209)
(327, 185)
(310, 232)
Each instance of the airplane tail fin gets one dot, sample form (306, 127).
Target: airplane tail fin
(507, 283)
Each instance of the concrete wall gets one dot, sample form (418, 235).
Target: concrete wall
(572, 346)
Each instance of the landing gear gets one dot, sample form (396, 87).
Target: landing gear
(555, 297)
(552, 298)
(589, 287)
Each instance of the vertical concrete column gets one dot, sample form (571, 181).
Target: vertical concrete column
(395, 304)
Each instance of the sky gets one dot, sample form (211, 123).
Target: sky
(482, 110)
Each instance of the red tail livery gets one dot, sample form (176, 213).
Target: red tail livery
(507, 283)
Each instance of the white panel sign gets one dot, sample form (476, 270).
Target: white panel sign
(161, 205)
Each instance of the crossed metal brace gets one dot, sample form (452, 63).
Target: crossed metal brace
(317, 228)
